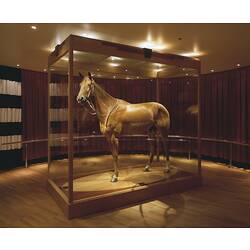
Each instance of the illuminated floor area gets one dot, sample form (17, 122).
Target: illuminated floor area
(222, 201)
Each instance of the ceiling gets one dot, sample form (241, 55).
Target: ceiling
(218, 46)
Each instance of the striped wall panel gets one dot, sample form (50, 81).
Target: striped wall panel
(10, 117)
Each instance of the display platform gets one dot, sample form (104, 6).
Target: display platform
(131, 177)
(94, 192)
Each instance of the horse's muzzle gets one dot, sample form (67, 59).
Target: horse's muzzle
(81, 99)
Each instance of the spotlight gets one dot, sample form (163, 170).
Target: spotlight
(212, 70)
(238, 65)
(33, 27)
(18, 65)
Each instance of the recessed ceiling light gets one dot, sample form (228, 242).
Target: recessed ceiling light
(126, 70)
(137, 77)
(33, 27)
(183, 69)
(98, 69)
(114, 76)
(186, 74)
(18, 65)
(238, 65)
(45, 70)
(52, 69)
(212, 70)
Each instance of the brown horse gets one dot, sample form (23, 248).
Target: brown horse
(114, 114)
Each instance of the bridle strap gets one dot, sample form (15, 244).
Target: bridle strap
(91, 105)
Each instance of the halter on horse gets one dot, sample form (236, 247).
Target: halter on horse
(113, 114)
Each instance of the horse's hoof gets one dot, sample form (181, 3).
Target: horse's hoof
(114, 178)
(147, 168)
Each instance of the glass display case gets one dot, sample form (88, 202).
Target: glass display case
(92, 84)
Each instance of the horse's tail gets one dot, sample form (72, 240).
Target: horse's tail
(163, 117)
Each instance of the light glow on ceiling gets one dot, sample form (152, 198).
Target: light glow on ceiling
(192, 54)
(152, 45)
(115, 58)
(114, 64)
(158, 70)
(90, 35)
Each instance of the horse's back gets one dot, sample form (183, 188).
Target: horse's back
(144, 113)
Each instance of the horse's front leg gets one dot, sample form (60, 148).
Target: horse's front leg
(114, 144)
(152, 145)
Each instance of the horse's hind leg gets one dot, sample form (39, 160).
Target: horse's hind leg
(164, 136)
(151, 137)
(114, 144)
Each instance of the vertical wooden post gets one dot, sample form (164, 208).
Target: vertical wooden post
(70, 124)
(199, 123)
(26, 155)
(158, 100)
(49, 153)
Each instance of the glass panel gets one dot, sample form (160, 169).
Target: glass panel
(58, 112)
(135, 82)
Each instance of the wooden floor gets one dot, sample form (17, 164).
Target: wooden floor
(223, 201)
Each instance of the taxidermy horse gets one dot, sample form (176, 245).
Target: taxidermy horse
(114, 114)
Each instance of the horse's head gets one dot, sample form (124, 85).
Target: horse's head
(86, 88)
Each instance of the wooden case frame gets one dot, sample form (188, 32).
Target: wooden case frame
(75, 208)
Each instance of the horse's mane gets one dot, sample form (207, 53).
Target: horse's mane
(102, 93)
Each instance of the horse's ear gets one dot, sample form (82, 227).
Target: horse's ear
(90, 76)
(80, 74)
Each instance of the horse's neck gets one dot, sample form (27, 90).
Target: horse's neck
(103, 102)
